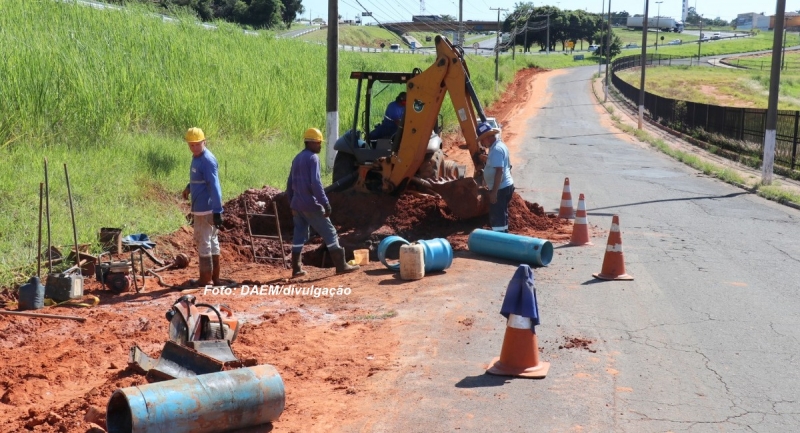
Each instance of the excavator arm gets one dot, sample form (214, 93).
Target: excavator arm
(426, 92)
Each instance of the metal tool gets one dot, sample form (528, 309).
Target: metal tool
(43, 316)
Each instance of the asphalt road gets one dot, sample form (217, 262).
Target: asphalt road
(703, 340)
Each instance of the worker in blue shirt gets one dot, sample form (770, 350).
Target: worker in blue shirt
(497, 175)
(310, 205)
(391, 119)
(206, 198)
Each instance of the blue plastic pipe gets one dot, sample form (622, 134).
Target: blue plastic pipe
(438, 254)
(213, 402)
(521, 249)
(383, 247)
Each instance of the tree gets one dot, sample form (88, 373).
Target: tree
(616, 44)
(448, 18)
(291, 8)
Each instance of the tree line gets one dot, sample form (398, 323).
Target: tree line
(255, 13)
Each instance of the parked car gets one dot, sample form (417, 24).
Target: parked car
(593, 48)
(675, 42)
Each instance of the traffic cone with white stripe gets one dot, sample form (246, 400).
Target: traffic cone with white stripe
(580, 228)
(614, 261)
(520, 353)
(566, 210)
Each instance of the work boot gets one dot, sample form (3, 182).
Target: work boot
(215, 271)
(206, 265)
(341, 265)
(297, 265)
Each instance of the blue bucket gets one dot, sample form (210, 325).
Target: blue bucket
(383, 247)
(438, 254)
(522, 249)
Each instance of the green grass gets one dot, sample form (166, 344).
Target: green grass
(717, 86)
(104, 92)
(635, 36)
(359, 36)
(764, 61)
(760, 42)
(556, 60)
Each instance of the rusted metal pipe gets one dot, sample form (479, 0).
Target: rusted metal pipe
(213, 402)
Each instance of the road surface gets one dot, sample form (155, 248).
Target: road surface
(703, 340)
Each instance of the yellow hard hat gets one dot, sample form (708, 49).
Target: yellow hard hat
(194, 135)
(313, 134)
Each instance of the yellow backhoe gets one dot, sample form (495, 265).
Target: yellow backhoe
(413, 157)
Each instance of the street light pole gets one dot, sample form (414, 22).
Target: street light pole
(658, 22)
(608, 52)
(768, 161)
(699, 41)
(497, 51)
(600, 63)
(644, 63)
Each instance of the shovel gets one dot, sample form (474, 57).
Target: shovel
(31, 295)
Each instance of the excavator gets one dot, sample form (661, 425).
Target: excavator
(413, 158)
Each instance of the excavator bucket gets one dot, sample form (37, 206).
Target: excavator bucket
(463, 196)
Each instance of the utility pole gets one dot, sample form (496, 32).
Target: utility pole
(644, 63)
(600, 64)
(496, 51)
(461, 22)
(525, 47)
(548, 33)
(332, 103)
(774, 88)
(658, 22)
(608, 52)
(783, 55)
(699, 41)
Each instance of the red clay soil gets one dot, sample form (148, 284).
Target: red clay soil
(57, 375)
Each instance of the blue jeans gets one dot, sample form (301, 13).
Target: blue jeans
(498, 212)
(319, 222)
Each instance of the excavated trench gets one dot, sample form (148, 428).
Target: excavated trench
(363, 220)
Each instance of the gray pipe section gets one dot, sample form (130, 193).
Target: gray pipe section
(213, 402)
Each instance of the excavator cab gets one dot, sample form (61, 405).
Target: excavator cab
(412, 156)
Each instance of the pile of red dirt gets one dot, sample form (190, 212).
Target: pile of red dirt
(362, 220)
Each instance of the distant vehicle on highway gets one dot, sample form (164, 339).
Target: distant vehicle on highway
(394, 47)
(631, 45)
(593, 48)
(715, 36)
(493, 123)
(675, 42)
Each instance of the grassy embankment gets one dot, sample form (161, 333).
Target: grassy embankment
(110, 93)
(358, 36)
(718, 86)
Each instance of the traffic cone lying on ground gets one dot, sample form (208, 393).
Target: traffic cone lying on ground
(519, 355)
(566, 210)
(580, 228)
(614, 261)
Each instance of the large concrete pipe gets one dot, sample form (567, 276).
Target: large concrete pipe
(211, 402)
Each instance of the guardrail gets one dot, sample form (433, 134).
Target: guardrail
(734, 129)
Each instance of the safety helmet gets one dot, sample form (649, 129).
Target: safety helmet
(194, 135)
(313, 134)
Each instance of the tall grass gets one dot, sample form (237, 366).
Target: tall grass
(111, 92)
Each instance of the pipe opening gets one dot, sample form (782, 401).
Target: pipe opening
(118, 416)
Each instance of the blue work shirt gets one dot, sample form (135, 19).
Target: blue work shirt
(304, 186)
(498, 157)
(204, 184)
(388, 126)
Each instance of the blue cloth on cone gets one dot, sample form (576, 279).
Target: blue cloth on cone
(521, 296)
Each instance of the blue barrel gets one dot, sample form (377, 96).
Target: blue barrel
(213, 402)
(438, 254)
(31, 295)
(383, 247)
(522, 249)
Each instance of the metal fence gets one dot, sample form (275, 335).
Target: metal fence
(738, 130)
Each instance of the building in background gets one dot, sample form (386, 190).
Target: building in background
(753, 21)
(792, 23)
(685, 12)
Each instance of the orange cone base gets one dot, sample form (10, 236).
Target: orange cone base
(578, 244)
(623, 277)
(537, 372)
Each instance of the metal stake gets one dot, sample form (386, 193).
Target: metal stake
(72, 213)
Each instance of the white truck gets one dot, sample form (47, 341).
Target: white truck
(665, 24)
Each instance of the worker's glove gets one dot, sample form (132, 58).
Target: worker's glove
(328, 210)
(218, 220)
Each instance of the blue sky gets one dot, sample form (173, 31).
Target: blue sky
(401, 10)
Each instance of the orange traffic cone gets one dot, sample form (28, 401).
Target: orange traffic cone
(580, 228)
(614, 262)
(566, 210)
(520, 353)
